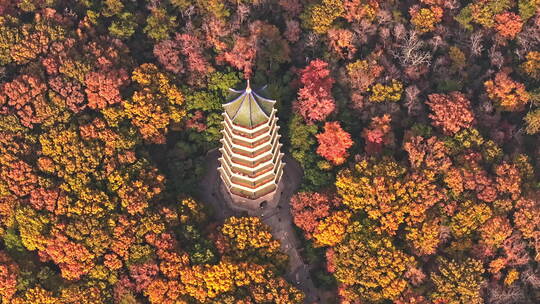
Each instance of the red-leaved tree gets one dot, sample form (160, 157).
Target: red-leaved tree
(315, 101)
(8, 278)
(73, 259)
(183, 54)
(378, 134)
(25, 96)
(334, 143)
(309, 208)
(242, 55)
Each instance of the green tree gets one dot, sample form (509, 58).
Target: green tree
(124, 26)
(159, 24)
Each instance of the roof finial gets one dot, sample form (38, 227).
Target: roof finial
(248, 88)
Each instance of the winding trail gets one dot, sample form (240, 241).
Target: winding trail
(279, 219)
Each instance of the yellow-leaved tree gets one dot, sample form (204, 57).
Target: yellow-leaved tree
(156, 104)
(458, 282)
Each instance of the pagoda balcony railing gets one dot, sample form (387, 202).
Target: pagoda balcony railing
(274, 175)
(234, 150)
(250, 144)
(253, 195)
(233, 159)
(234, 168)
(241, 154)
(246, 171)
(266, 149)
(255, 186)
(230, 141)
(230, 185)
(269, 169)
(252, 165)
(246, 135)
(249, 149)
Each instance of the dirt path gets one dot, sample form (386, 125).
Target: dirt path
(279, 219)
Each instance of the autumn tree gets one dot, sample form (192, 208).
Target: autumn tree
(26, 97)
(331, 230)
(525, 221)
(241, 56)
(8, 278)
(315, 101)
(36, 295)
(247, 238)
(531, 66)
(495, 231)
(451, 112)
(73, 259)
(159, 24)
(509, 95)
(156, 105)
(458, 282)
(103, 89)
(482, 12)
(533, 121)
(69, 90)
(341, 42)
(357, 10)
(362, 74)
(470, 216)
(334, 143)
(309, 208)
(378, 134)
(168, 53)
(508, 180)
(508, 24)
(293, 8)
(428, 154)
(385, 191)
(183, 55)
(425, 18)
(370, 266)
(124, 25)
(320, 16)
(26, 44)
(425, 237)
(303, 141)
(386, 92)
(292, 33)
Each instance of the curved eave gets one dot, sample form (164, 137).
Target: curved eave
(251, 130)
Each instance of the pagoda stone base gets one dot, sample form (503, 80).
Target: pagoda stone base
(239, 203)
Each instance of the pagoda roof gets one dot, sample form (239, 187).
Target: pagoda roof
(247, 108)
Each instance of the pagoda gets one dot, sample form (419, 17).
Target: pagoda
(251, 164)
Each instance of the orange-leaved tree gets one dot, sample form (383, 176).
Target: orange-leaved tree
(334, 143)
(508, 94)
(451, 112)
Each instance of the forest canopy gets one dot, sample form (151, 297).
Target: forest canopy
(416, 125)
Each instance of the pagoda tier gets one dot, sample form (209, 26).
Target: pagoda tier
(251, 161)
